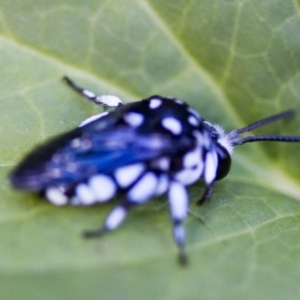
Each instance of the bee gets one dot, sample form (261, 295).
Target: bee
(156, 146)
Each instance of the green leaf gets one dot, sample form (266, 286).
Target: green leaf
(235, 62)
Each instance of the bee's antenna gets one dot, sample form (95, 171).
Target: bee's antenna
(234, 141)
(265, 137)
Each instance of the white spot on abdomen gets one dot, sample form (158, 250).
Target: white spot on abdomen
(127, 175)
(144, 189)
(56, 196)
(103, 187)
(84, 194)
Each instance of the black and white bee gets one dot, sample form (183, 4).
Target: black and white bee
(141, 150)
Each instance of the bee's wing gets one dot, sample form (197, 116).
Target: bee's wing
(76, 155)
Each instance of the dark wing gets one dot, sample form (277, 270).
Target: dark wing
(74, 156)
(112, 141)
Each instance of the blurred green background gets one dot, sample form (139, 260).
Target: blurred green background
(235, 62)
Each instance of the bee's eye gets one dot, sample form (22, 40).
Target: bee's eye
(224, 163)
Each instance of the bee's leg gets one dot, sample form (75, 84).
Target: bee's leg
(206, 195)
(139, 192)
(179, 202)
(106, 101)
(112, 221)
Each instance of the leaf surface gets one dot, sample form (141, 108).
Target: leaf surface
(235, 62)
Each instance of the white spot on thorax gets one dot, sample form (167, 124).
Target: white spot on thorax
(193, 121)
(194, 112)
(115, 218)
(172, 125)
(192, 167)
(127, 175)
(211, 164)
(179, 101)
(190, 175)
(56, 196)
(144, 189)
(192, 158)
(103, 187)
(155, 103)
(93, 118)
(134, 119)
